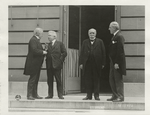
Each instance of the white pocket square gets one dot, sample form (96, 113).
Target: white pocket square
(114, 42)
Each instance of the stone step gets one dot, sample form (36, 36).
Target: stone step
(130, 89)
(49, 110)
(79, 111)
(76, 103)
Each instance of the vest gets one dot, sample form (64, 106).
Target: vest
(91, 54)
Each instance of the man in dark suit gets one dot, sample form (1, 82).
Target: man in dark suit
(117, 63)
(54, 63)
(92, 60)
(33, 64)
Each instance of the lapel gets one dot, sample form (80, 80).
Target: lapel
(51, 47)
(38, 42)
(94, 44)
(55, 44)
(89, 43)
(113, 38)
(35, 38)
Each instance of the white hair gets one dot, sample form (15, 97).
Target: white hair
(38, 31)
(53, 33)
(115, 25)
(92, 30)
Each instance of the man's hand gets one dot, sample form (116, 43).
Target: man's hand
(102, 66)
(116, 66)
(81, 66)
(44, 52)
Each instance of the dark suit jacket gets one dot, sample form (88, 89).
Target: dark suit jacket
(116, 52)
(56, 55)
(34, 58)
(98, 51)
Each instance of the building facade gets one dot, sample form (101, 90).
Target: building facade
(71, 24)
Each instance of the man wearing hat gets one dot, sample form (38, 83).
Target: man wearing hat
(92, 60)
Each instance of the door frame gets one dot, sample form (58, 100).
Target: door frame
(65, 40)
(64, 33)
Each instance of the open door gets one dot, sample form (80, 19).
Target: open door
(73, 36)
(77, 21)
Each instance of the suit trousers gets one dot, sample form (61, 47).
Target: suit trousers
(51, 72)
(33, 84)
(91, 79)
(116, 82)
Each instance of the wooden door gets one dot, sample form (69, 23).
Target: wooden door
(72, 39)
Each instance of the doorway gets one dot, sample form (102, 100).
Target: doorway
(81, 19)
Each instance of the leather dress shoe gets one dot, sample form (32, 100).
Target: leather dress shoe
(111, 99)
(48, 97)
(118, 100)
(87, 98)
(61, 97)
(30, 98)
(38, 97)
(97, 98)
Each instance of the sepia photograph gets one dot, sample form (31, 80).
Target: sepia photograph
(76, 58)
(38, 85)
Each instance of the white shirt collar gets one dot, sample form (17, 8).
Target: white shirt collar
(116, 32)
(37, 37)
(53, 41)
(93, 41)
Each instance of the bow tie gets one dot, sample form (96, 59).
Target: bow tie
(92, 40)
